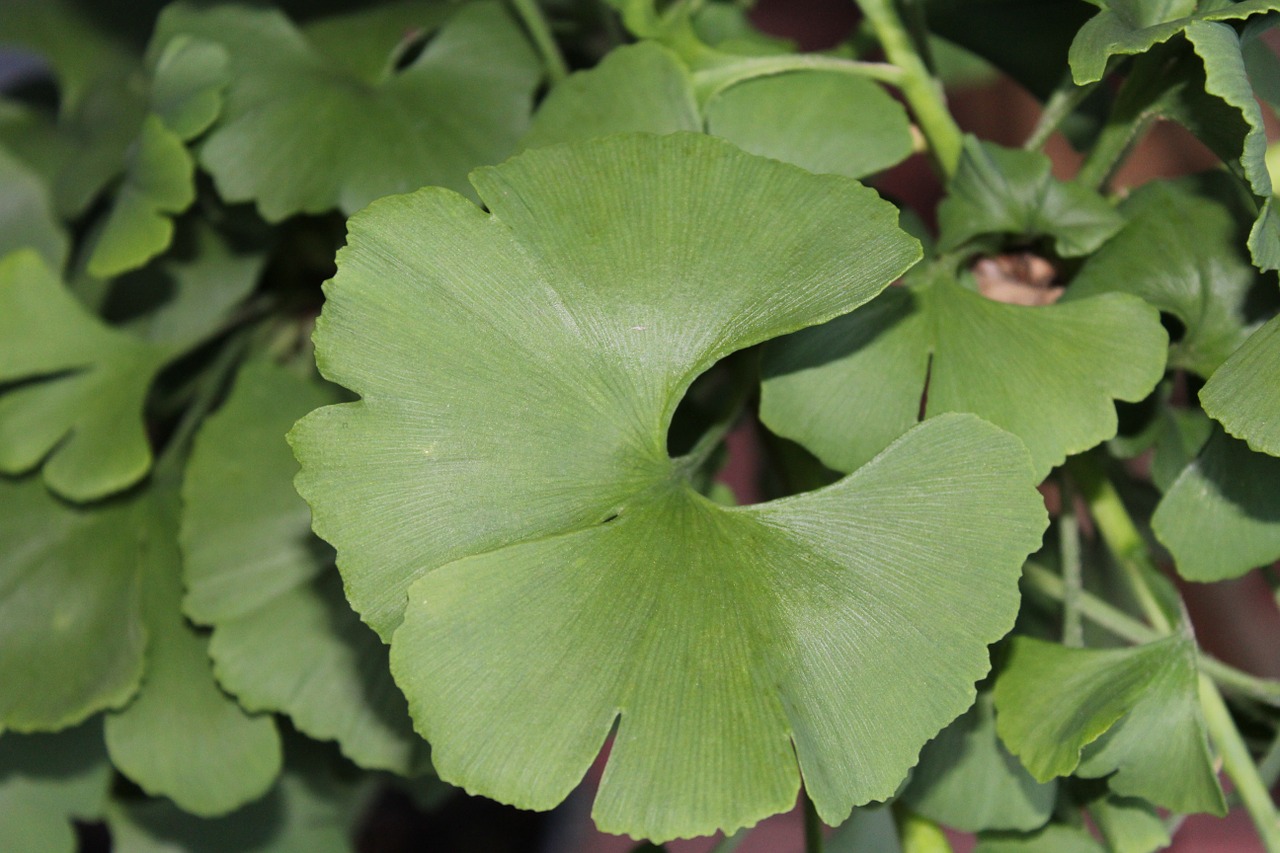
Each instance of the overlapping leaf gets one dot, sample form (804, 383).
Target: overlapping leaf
(1183, 251)
(48, 780)
(76, 387)
(1055, 837)
(284, 638)
(26, 214)
(966, 779)
(71, 631)
(549, 591)
(1047, 374)
(309, 126)
(181, 736)
(1004, 191)
(1132, 715)
(1244, 394)
(1129, 825)
(823, 121)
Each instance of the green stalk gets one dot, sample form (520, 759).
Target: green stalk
(813, 840)
(923, 92)
(540, 31)
(1239, 765)
(1062, 102)
(1072, 573)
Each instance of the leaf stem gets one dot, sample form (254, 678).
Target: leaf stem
(1130, 115)
(1072, 573)
(540, 31)
(813, 840)
(710, 82)
(206, 395)
(1122, 537)
(923, 93)
(1239, 765)
(1062, 102)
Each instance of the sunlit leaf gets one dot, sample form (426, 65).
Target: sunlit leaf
(1132, 715)
(1048, 374)
(284, 638)
(46, 781)
(1243, 394)
(303, 132)
(181, 736)
(76, 388)
(550, 592)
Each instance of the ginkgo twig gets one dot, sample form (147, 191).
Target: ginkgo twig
(543, 40)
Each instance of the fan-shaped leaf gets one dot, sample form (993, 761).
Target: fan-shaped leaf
(1047, 374)
(303, 132)
(46, 781)
(77, 387)
(1244, 394)
(284, 638)
(574, 587)
(1131, 713)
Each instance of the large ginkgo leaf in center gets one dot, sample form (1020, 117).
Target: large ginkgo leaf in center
(505, 511)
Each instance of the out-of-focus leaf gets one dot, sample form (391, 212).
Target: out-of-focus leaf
(181, 736)
(1183, 251)
(966, 779)
(1131, 714)
(1129, 825)
(821, 121)
(284, 638)
(868, 828)
(77, 387)
(1221, 518)
(46, 781)
(302, 132)
(27, 219)
(1244, 394)
(1047, 374)
(1054, 838)
(187, 83)
(71, 631)
(1005, 191)
(448, 488)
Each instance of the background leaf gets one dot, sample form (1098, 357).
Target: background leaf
(1241, 394)
(46, 781)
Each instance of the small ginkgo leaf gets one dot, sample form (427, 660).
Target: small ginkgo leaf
(821, 121)
(284, 638)
(181, 736)
(1183, 251)
(1006, 191)
(302, 132)
(71, 631)
(1048, 374)
(505, 475)
(27, 219)
(1221, 517)
(77, 389)
(1244, 394)
(187, 84)
(1132, 715)
(48, 780)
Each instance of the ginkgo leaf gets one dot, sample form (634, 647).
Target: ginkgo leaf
(1054, 838)
(1009, 191)
(181, 736)
(1244, 395)
(27, 219)
(46, 781)
(822, 121)
(284, 638)
(1129, 825)
(300, 132)
(77, 387)
(1048, 374)
(71, 631)
(1221, 517)
(1132, 715)
(549, 592)
(187, 84)
(966, 779)
(1183, 251)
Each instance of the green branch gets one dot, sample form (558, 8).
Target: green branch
(540, 31)
(1062, 102)
(922, 91)
(1239, 765)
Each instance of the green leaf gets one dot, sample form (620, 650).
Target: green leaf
(1132, 713)
(46, 781)
(868, 828)
(284, 638)
(1129, 825)
(77, 387)
(1242, 396)
(966, 779)
(1054, 838)
(302, 132)
(159, 183)
(181, 736)
(1130, 27)
(822, 121)
(187, 82)
(1221, 517)
(1048, 374)
(1009, 191)
(27, 219)
(1183, 252)
(606, 277)
(71, 632)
